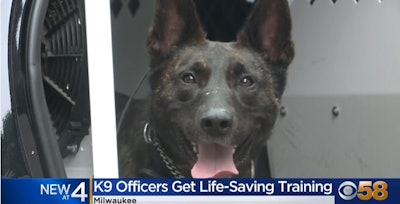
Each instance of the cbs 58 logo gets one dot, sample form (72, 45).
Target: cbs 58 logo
(366, 190)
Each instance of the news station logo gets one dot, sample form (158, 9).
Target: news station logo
(65, 191)
(365, 190)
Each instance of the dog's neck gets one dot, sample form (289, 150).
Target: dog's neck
(164, 163)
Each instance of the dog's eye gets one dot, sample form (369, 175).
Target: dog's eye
(189, 78)
(246, 81)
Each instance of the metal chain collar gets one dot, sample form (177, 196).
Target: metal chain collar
(150, 138)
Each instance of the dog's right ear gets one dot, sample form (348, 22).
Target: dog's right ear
(175, 24)
(268, 31)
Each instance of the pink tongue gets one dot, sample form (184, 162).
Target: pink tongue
(214, 161)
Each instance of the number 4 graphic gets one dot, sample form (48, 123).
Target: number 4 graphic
(79, 192)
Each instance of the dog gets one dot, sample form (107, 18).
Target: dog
(212, 104)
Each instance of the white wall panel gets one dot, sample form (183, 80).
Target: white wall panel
(347, 55)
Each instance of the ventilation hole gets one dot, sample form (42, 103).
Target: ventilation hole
(334, 1)
(312, 2)
(133, 6)
(116, 6)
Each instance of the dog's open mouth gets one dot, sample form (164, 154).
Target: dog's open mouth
(214, 161)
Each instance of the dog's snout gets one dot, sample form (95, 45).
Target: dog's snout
(216, 122)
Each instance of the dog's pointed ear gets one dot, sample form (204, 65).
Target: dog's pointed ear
(175, 24)
(268, 30)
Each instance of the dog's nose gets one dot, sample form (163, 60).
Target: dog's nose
(216, 122)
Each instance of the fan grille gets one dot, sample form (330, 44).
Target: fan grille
(64, 69)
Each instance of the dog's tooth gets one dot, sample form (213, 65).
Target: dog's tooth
(195, 149)
(234, 148)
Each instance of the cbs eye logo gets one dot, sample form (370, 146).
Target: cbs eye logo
(366, 190)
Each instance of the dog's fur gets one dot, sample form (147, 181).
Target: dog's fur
(207, 92)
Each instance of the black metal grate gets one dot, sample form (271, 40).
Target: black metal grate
(64, 69)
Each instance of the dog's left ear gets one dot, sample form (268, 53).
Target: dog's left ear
(175, 24)
(268, 31)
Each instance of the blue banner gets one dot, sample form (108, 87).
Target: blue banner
(73, 191)
(183, 190)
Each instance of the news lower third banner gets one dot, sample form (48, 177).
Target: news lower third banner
(196, 191)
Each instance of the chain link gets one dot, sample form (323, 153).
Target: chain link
(150, 138)
(167, 161)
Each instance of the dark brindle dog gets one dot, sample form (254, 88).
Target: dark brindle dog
(213, 104)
